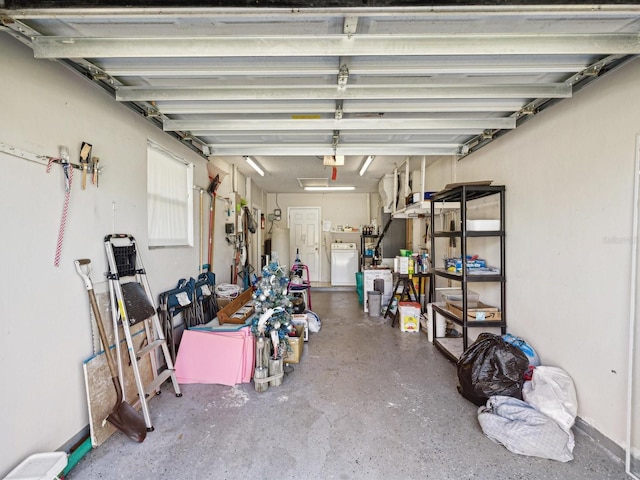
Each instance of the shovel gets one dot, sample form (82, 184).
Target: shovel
(123, 416)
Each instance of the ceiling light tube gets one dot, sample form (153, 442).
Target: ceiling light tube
(319, 189)
(255, 166)
(366, 164)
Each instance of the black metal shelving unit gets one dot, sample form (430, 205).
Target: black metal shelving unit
(457, 198)
(365, 259)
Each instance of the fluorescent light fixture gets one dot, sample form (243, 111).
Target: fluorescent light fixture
(324, 189)
(366, 164)
(255, 165)
(313, 182)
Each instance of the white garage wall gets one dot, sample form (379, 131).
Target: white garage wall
(45, 323)
(568, 175)
(569, 180)
(351, 209)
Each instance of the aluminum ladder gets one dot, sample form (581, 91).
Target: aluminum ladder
(125, 264)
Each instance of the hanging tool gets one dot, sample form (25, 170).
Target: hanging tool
(123, 416)
(248, 226)
(68, 180)
(85, 154)
(95, 170)
(211, 189)
(426, 231)
(200, 266)
(452, 228)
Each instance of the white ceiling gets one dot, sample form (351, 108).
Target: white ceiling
(289, 86)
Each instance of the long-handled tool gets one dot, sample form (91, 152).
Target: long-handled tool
(211, 190)
(123, 416)
(201, 224)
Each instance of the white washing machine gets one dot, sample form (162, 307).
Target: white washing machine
(344, 264)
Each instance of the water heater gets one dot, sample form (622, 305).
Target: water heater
(280, 246)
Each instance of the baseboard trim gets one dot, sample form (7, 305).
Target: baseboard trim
(601, 439)
(345, 288)
(76, 440)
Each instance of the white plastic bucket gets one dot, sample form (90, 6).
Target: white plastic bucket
(441, 326)
(440, 322)
(429, 327)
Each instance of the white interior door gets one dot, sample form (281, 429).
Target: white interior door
(304, 235)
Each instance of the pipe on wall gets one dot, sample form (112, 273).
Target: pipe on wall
(633, 298)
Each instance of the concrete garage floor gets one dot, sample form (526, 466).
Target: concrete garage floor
(366, 402)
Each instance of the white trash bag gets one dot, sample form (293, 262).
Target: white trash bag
(552, 392)
(524, 430)
(314, 322)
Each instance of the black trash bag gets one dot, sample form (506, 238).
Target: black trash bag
(491, 366)
(298, 303)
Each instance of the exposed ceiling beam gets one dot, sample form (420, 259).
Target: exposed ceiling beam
(70, 12)
(387, 69)
(314, 136)
(325, 149)
(336, 45)
(387, 124)
(352, 92)
(347, 107)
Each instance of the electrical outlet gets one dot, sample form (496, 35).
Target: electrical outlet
(277, 214)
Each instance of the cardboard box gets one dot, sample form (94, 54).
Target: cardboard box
(373, 274)
(301, 319)
(296, 343)
(481, 312)
(409, 314)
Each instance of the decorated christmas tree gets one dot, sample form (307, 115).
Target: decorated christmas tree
(273, 308)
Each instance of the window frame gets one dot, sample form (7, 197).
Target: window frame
(167, 200)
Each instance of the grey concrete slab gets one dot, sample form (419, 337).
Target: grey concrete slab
(366, 402)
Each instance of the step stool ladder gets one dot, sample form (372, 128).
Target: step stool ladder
(125, 264)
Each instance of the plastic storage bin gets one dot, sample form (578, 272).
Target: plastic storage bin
(360, 287)
(39, 466)
(454, 297)
(483, 225)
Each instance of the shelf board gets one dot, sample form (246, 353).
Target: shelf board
(470, 323)
(424, 208)
(451, 347)
(457, 276)
(473, 192)
(468, 233)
